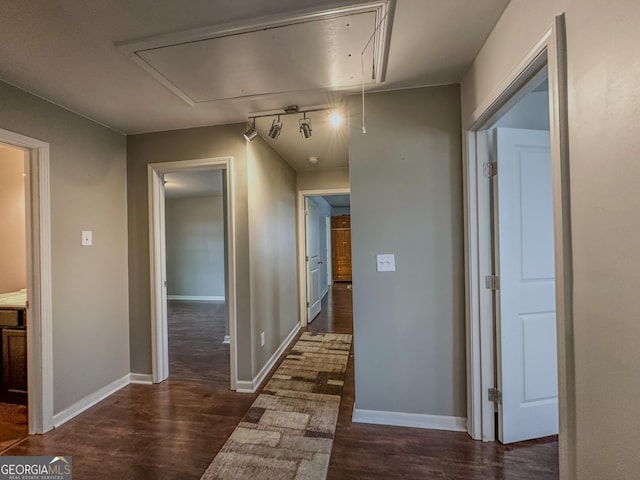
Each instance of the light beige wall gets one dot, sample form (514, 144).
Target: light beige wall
(177, 145)
(272, 243)
(195, 246)
(323, 179)
(517, 31)
(13, 257)
(89, 284)
(604, 101)
(406, 199)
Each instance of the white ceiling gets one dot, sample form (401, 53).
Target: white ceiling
(67, 52)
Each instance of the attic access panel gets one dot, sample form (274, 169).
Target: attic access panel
(309, 52)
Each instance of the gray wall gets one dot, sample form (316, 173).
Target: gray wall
(176, 145)
(331, 178)
(604, 101)
(90, 296)
(264, 208)
(272, 243)
(406, 199)
(195, 246)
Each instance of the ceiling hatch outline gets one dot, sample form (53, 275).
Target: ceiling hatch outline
(372, 21)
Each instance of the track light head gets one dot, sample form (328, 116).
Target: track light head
(305, 126)
(251, 132)
(276, 128)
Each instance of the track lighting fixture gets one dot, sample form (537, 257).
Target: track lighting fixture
(334, 118)
(276, 128)
(251, 132)
(305, 126)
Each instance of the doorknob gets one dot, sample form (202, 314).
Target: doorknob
(320, 263)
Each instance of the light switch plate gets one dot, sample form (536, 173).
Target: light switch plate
(386, 262)
(87, 238)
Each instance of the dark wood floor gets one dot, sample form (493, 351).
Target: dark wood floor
(173, 430)
(14, 424)
(362, 451)
(167, 431)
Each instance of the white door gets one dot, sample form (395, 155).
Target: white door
(525, 299)
(314, 289)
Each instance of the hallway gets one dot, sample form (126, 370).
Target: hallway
(174, 429)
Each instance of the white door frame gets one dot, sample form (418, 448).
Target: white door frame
(329, 252)
(40, 316)
(302, 235)
(159, 331)
(550, 51)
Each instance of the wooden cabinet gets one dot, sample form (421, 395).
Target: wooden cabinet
(341, 248)
(14, 365)
(343, 221)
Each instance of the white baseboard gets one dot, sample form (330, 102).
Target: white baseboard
(326, 290)
(142, 378)
(197, 298)
(416, 420)
(89, 401)
(244, 386)
(227, 340)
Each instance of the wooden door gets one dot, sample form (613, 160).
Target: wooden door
(341, 247)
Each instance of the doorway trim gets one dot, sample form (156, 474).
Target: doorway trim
(327, 227)
(159, 329)
(40, 333)
(302, 234)
(550, 50)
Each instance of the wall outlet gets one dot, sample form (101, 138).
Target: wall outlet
(262, 339)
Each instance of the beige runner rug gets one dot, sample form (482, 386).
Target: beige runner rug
(288, 431)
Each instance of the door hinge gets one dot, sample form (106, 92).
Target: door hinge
(307, 257)
(490, 169)
(26, 304)
(492, 282)
(308, 305)
(495, 396)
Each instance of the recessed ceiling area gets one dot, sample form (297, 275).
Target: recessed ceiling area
(78, 54)
(256, 60)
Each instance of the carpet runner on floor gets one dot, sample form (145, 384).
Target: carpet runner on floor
(288, 431)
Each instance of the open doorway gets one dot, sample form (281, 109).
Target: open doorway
(197, 313)
(14, 190)
(325, 246)
(523, 273)
(546, 188)
(28, 315)
(193, 270)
